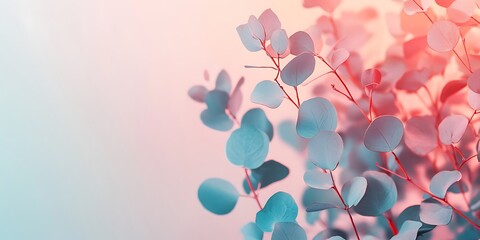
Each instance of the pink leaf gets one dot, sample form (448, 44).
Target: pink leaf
(413, 80)
(444, 3)
(327, 5)
(421, 135)
(270, 22)
(474, 99)
(414, 46)
(451, 88)
(371, 78)
(452, 128)
(443, 36)
(474, 81)
(412, 6)
(460, 11)
(338, 57)
(235, 100)
(256, 28)
(206, 75)
(392, 69)
(279, 41)
(301, 42)
(316, 34)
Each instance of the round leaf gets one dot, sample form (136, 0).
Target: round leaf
(434, 213)
(314, 115)
(223, 82)
(353, 190)
(380, 196)
(280, 207)
(214, 116)
(443, 36)
(318, 179)
(298, 69)
(452, 128)
(288, 231)
(474, 99)
(247, 147)
(270, 22)
(421, 135)
(408, 231)
(451, 88)
(256, 118)
(218, 196)
(251, 44)
(327, 5)
(320, 206)
(413, 213)
(271, 171)
(474, 81)
(442, 181)
(279, 41)
(325, 149)
(251, 232)
(256, 28)
(338, 57)
(301, 42)
(384, 134)
(371, 78)
(267, 93)
(198, 93)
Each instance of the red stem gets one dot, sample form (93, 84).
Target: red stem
(255, 196)
(344, 205)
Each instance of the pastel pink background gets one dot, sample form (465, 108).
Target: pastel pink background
(98, 138)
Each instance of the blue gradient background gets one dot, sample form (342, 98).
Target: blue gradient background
(98, 139)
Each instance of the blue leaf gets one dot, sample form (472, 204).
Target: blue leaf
(251, 44)
(271, 171)
(214, 116)
(251, 232)
(434, 213)
(328, 233)
(318, 179)
(413, 213)
(354, 190)
(442, 181)
(380, 196)
(320, 206)
(256, 118)
(267, 93)
(314, 115)
(279, 41)
(218, 196)
(288, 231)
(247, 147)
(281, 207)
(312, 217)
(336, 238)
(298, 69)
(408, 231)
(223, 82)
(198, 93)
(325, 149)
(217, 101)
(312, 195)
(384, 134)
(287, 132)
(217, 121)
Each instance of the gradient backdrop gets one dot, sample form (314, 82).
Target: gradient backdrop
(98, 139)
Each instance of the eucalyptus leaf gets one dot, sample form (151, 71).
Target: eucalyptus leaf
(280, 207)
(247, 147)
(288, 231)
(314, 115)
(218, 196)
(380, 196)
